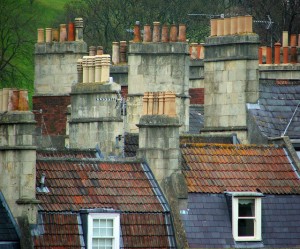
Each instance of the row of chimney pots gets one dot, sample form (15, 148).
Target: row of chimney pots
(62, 34)
(165, 33)
(231, 25)
(12, 99)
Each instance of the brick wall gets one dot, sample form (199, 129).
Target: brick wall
(197, 96)
(53, 112)
(124, 91)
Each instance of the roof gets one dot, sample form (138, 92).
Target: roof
(278, 111)
(216, 168)
(196, 118)
(61, 226)
(66, 153)
(9, 230)
(127, 187)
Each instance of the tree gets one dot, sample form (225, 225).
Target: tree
(15, 24)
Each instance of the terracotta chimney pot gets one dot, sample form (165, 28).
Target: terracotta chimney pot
(23, 100)
(156, 32)
(202, 51)
(63, 33)
(298, 40)
(13, 100)
(115, 53)
(277, 46)
(71, 32)
(173, 33)
(92, 51)
(48, 35)
(220, 27)
(233, 25)
(5, 93)
(248, 24)
(213, 27)
(99, 50)
(269, 55)
(182, 33)
(165, 33)
(123, 50)
(145, 103)
(240, 24)
(41, 38)
(91, 68)
(293, 42)
(147, 33)
(161, 103)
(285, 55)
(150, 104)
(105, 66)
(55, 35)
(98, 65)
(260, 55)
(137, 32)
(85, 70)
(227, 22)
(294, 56)
(194, 52)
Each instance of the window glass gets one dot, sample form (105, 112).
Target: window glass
(246, 208)
(246, 227)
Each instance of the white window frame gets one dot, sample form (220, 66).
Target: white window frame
(257, 219)
(116, 227)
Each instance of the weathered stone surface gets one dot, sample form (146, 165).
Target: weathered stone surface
(56, 66)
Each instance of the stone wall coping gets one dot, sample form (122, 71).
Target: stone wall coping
(233, 39)
(18, 147)
(218, 129)
(158, 121)
(230, 58)
(177, 95)
(90, 120)
(61, 48)
(17, 117)
(104, 160)
(272, 67)
(94, 88)
(158, 48)
(26, 201)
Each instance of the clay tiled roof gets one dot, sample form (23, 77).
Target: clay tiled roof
(83, 184)
(79, 184)
(212, 168)
(59, 230)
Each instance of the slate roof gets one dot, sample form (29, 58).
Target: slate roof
(277, 105)
(128, 187)
(196, 118)
(215, 168)
(9, 230)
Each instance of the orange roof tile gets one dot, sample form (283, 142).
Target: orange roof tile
(215, 168)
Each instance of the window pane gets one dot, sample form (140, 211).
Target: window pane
(103, 232)
(246, 227)
(246, 208)
(102, 223)
(110, 232)
(96, 232)
(109, 223)
(96, 223)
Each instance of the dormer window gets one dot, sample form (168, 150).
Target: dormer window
(103, 231)
(246, 217)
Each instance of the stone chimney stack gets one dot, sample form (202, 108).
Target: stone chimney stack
(17, 159)
(156, 66)
(96, 108)
(231, 76)
(159, 134)
(55, 73)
